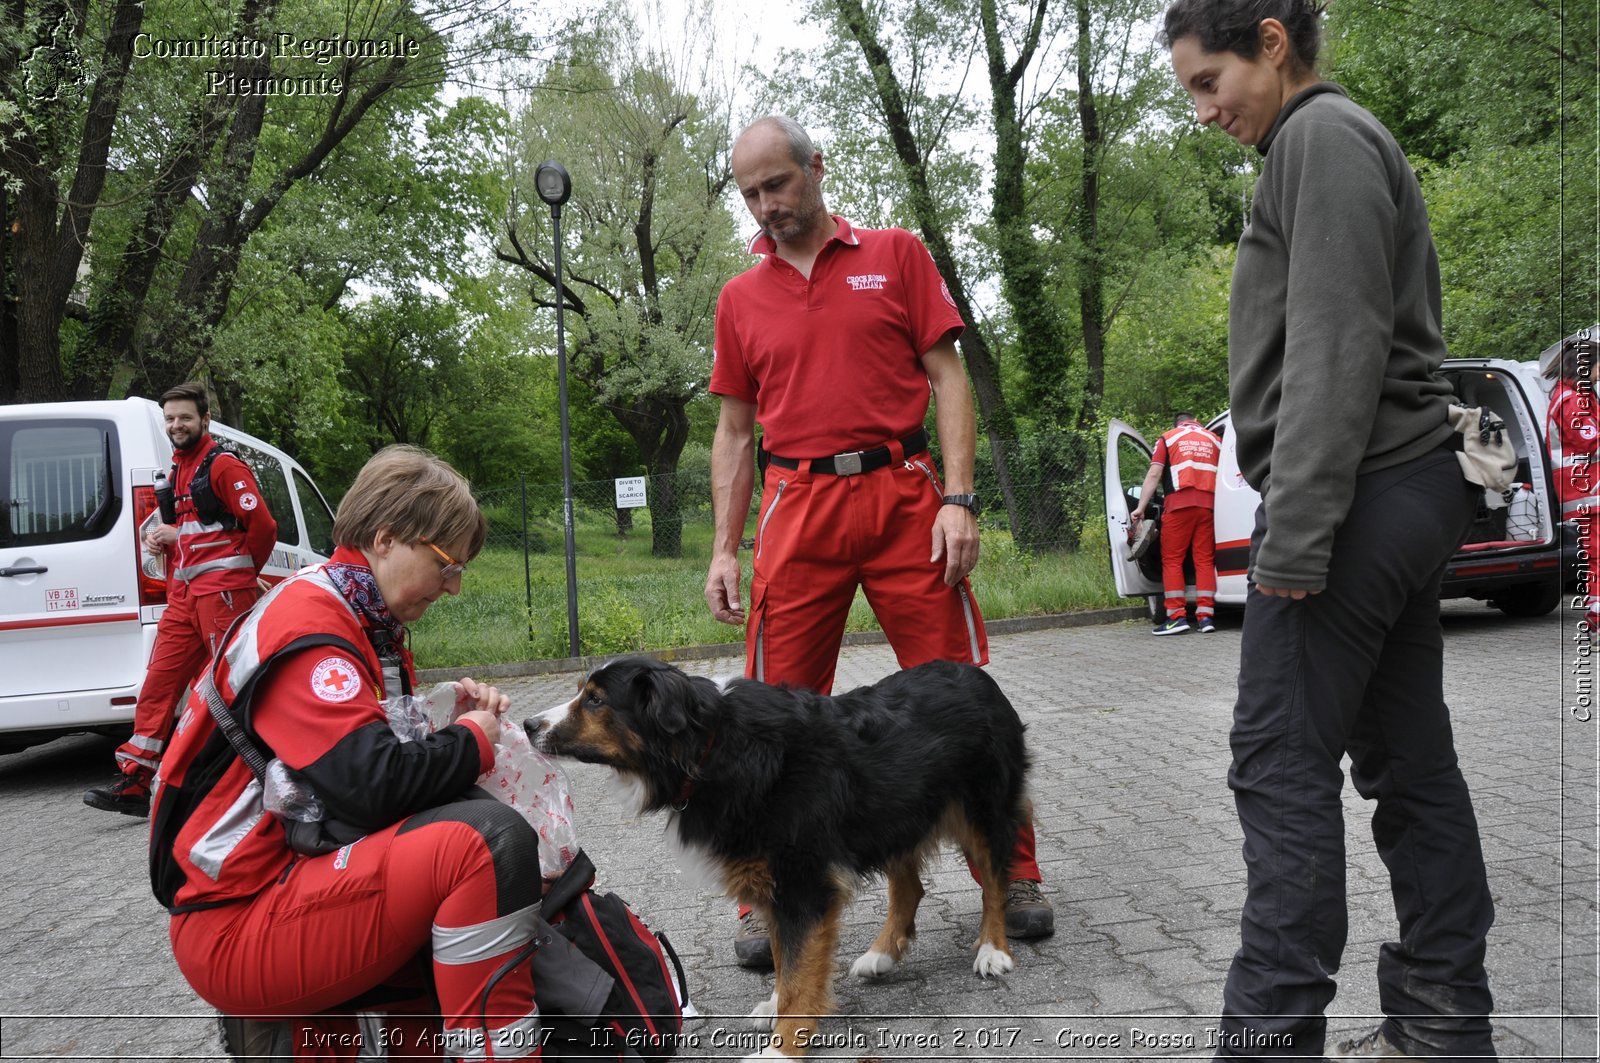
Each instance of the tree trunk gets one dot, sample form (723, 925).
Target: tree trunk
(999, 424)
(1091, 271)
(115, 317)
(51, 233)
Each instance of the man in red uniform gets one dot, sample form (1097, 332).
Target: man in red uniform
(1189, 453)
(214, 553)
(833, 342)
(1572, 433)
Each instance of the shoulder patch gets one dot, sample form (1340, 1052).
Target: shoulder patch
(247, 502)
(335, 679)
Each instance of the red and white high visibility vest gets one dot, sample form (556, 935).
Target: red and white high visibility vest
(212, 840)
(1572, 432)
(211, 557)
(1192, 454)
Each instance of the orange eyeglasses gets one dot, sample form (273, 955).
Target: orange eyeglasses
(451, 566)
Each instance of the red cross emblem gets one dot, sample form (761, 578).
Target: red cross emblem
(335, 679)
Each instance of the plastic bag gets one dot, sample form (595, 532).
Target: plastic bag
(522, 777)
(535, 786)
(413, 717)
(286, 794)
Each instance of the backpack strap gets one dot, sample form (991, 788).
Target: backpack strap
(577, 878)
(234, 720)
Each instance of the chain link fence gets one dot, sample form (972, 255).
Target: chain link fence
(641, 571)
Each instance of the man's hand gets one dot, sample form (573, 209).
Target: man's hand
(157, 539)
(955, 541)
(722, 589)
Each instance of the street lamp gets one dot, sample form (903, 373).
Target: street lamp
(554, 186)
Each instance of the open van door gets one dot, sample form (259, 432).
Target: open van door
(1127, 461)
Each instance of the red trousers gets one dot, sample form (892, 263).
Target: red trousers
(1185, 530)
(339, 925)
(822, 536)
(187, 635)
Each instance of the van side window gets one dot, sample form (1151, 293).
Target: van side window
(60, 481)
(319, 521)
(274, 484)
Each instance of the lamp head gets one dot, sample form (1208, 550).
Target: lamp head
(552, 183)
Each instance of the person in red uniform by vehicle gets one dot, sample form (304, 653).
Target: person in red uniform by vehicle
(834, 342)
(1187, 455)
(1573, 434)
(438, 869)
(214, 553)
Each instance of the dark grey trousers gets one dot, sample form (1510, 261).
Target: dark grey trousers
(1358, 669)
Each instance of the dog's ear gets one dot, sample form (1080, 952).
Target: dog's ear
(663, 693)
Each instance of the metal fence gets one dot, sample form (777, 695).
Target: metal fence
(640, 572)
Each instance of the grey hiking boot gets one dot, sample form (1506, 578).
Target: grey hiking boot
(1028, 910)
(1375, 1045)
(752, 943)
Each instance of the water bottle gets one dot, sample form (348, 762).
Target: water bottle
(164, 500)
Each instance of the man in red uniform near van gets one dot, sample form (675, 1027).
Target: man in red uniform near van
(214, 553)
(1189, 452)
(833, 342)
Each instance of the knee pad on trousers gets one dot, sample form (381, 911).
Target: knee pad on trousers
(512, 842)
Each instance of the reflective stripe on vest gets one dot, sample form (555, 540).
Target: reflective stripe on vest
(1192, 454)
(1573, 473)
(237, 561)
(241, 659)
(206, 547)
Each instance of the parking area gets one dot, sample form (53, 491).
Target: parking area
(1137, 838)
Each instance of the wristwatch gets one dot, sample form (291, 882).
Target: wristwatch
(967, 502)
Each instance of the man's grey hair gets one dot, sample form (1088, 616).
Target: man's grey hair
(800, 145)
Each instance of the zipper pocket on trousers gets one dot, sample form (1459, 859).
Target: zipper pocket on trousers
(761, 530)
(972, 623)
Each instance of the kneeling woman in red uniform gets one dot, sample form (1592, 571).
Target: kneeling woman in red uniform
(260, 929)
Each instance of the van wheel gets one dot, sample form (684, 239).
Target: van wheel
(1528, 599)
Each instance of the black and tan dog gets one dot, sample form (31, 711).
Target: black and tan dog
(791, 797)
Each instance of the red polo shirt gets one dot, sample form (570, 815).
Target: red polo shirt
(834, 364)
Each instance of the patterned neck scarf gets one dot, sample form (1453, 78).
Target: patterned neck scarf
(360, 589)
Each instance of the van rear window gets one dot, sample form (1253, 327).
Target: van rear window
(60, 481)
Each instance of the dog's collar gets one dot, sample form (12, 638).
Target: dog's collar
(693, 777)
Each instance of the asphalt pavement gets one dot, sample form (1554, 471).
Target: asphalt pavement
(1137, 839)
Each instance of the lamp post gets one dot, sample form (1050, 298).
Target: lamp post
(555, 187)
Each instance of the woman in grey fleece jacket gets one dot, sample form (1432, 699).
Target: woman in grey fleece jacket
(1334, 345)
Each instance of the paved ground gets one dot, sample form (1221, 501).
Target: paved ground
(1136, 834)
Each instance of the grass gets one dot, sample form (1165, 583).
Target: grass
(631, 601)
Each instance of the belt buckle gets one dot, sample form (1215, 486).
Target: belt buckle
(847, 464)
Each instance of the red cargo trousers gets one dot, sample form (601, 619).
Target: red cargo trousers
(819, 537)
(460, 882)
(186, 636)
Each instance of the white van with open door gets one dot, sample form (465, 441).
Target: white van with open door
(79, 596)
(1512, 556)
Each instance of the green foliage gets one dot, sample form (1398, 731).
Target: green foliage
(1498, 102)
(1171, 351)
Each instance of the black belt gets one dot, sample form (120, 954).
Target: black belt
(856, 461)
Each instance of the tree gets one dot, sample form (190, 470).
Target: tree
(1496, 103)
(645, 135)
(190, 154)
(1038, 399)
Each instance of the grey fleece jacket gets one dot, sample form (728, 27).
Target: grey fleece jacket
(1334, 340)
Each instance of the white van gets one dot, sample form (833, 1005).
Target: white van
(1512, 557)
(79, 596)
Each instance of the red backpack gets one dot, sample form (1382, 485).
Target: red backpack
(642, 1017)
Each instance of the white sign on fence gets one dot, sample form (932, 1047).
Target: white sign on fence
(630, 492)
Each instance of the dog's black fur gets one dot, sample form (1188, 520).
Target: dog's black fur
(793, 795)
